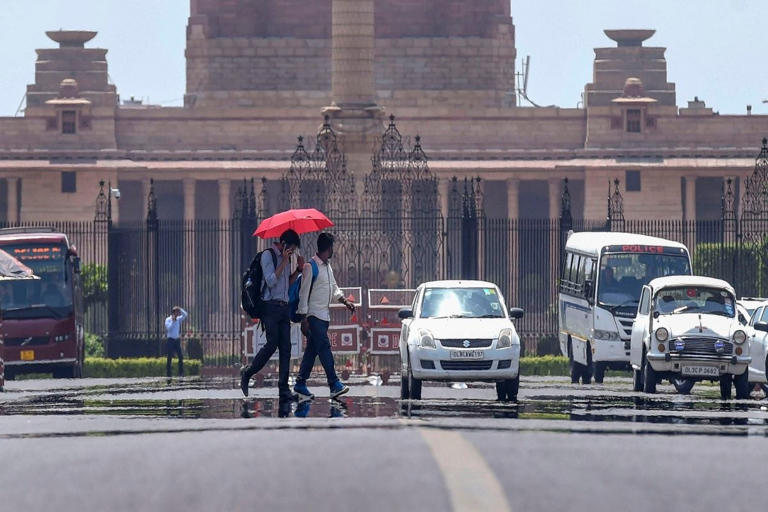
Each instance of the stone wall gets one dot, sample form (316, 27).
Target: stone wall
(239, 51)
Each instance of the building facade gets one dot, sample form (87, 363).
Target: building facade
(260, 73)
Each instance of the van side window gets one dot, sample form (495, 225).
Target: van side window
(644, 302)
(567, 266)
(579, 279)
(589, 269)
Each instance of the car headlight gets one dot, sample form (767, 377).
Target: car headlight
(425, 339)
(662, 334)
(505, 339)
(739, 337)
(606, 335)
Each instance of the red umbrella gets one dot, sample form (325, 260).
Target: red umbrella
(301, 221)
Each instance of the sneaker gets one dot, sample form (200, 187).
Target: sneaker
(302, 390)
(244, 380)
(338, 389)
(302, 410)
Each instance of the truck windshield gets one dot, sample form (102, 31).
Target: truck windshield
(49, 296)
(694, 299)
(622, 276)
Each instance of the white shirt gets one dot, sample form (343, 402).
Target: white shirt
(173, 327)
(324, 291)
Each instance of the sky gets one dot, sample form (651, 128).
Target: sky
(716, 49)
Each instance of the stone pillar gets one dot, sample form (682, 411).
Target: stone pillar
(190, 266)
(145, 187)
(555, 191)
(513, 214)
(225, 249)
(352, 51)
(12, 200)
(690, 198)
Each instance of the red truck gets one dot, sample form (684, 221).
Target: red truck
(41, 319)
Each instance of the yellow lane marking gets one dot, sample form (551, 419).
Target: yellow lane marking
(471, 483)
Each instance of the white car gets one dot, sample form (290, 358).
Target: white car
(687, 327)
(459, 331)
(757, 333)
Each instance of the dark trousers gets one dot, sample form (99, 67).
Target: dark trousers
(277, 324)
(318, 345)
(173, 346)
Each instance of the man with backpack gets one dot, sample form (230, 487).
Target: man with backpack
(318, 289)
(273, 310)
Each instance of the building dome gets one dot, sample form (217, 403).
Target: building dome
(633, 88)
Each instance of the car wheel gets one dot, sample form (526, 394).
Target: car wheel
(501, 391)
(637, 380)
(725, 387)
(414, 385)
(649, 377)
(683, 385)
(741, 383)
(512, 386)
(600, 372)
(404, 390)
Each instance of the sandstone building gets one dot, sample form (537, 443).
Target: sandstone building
(260, 72)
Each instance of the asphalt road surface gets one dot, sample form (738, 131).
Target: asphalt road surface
(150, 444)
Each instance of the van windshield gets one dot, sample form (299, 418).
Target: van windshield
(623, 275)
(694, 299)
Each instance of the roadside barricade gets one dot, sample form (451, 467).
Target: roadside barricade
(384, 328)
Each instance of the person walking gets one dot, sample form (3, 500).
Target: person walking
(173, 342)
(275, 318)
(315, 298)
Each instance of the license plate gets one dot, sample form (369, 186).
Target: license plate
(700, 371)
(467, 354)
(27, 355)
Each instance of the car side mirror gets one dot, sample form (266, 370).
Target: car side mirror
(516, 313)
(76, 264)
(405, 313)
(761, 326)
(655, 314)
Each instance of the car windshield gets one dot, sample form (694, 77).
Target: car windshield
(461, 303)
(694, 299)
(48, 296)
(622, 276)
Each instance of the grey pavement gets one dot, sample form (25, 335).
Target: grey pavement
(145, 444)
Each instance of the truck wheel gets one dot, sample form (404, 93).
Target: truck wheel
(600, 368)
(741, 383)
(725, 386)
(683, 385)
(649, 377)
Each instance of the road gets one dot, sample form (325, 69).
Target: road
(147, 444)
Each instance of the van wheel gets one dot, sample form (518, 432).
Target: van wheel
(741, 383)
(637, 380)
(682, 385)
(586, 373)
(600, 368)
(649, 377)
(576, 370)
(725, 386)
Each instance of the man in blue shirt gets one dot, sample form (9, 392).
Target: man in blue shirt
(276, 314)
(173, 344)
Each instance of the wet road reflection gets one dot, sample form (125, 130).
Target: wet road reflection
(215, 399)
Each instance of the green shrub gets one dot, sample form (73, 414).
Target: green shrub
(94, 345)
(544, 365)
(99, 367)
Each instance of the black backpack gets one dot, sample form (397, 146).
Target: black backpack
(252, 285)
